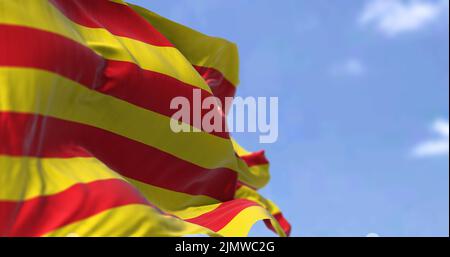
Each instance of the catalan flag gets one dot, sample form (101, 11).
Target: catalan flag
(85, 143)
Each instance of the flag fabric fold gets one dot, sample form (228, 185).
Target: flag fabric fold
(85, 143)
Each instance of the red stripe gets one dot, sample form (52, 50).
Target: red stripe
(35, 135)
(222, 215)
(255, 159)
(43, 214)
(118, 19)
(219, 85)
(152, 91)
(127, 81)
(27, 47)
(283, 223)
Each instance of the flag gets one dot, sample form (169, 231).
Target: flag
(85, 143)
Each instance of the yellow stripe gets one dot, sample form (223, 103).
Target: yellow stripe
(22, 178)
(130, 220)
(238, 148)
(245, 192)
(177, 203)
(240, 225)
(199, 49)
(256, 176)
(195, 211)
(248, 193)
(43, 15)
(118, 2)
(45, 93)
(29, 177)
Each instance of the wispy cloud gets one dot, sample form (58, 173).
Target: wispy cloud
(438, 146)
(348, 67)
(392, 17)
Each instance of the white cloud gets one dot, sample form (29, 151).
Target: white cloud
(349, 67)
(438, 146)
(392, 17)
(372, 235)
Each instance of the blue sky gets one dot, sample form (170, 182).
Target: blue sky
(363, 89)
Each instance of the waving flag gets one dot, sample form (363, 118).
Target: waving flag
(85, 143)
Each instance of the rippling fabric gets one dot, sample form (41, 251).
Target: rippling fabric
(85, 143)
